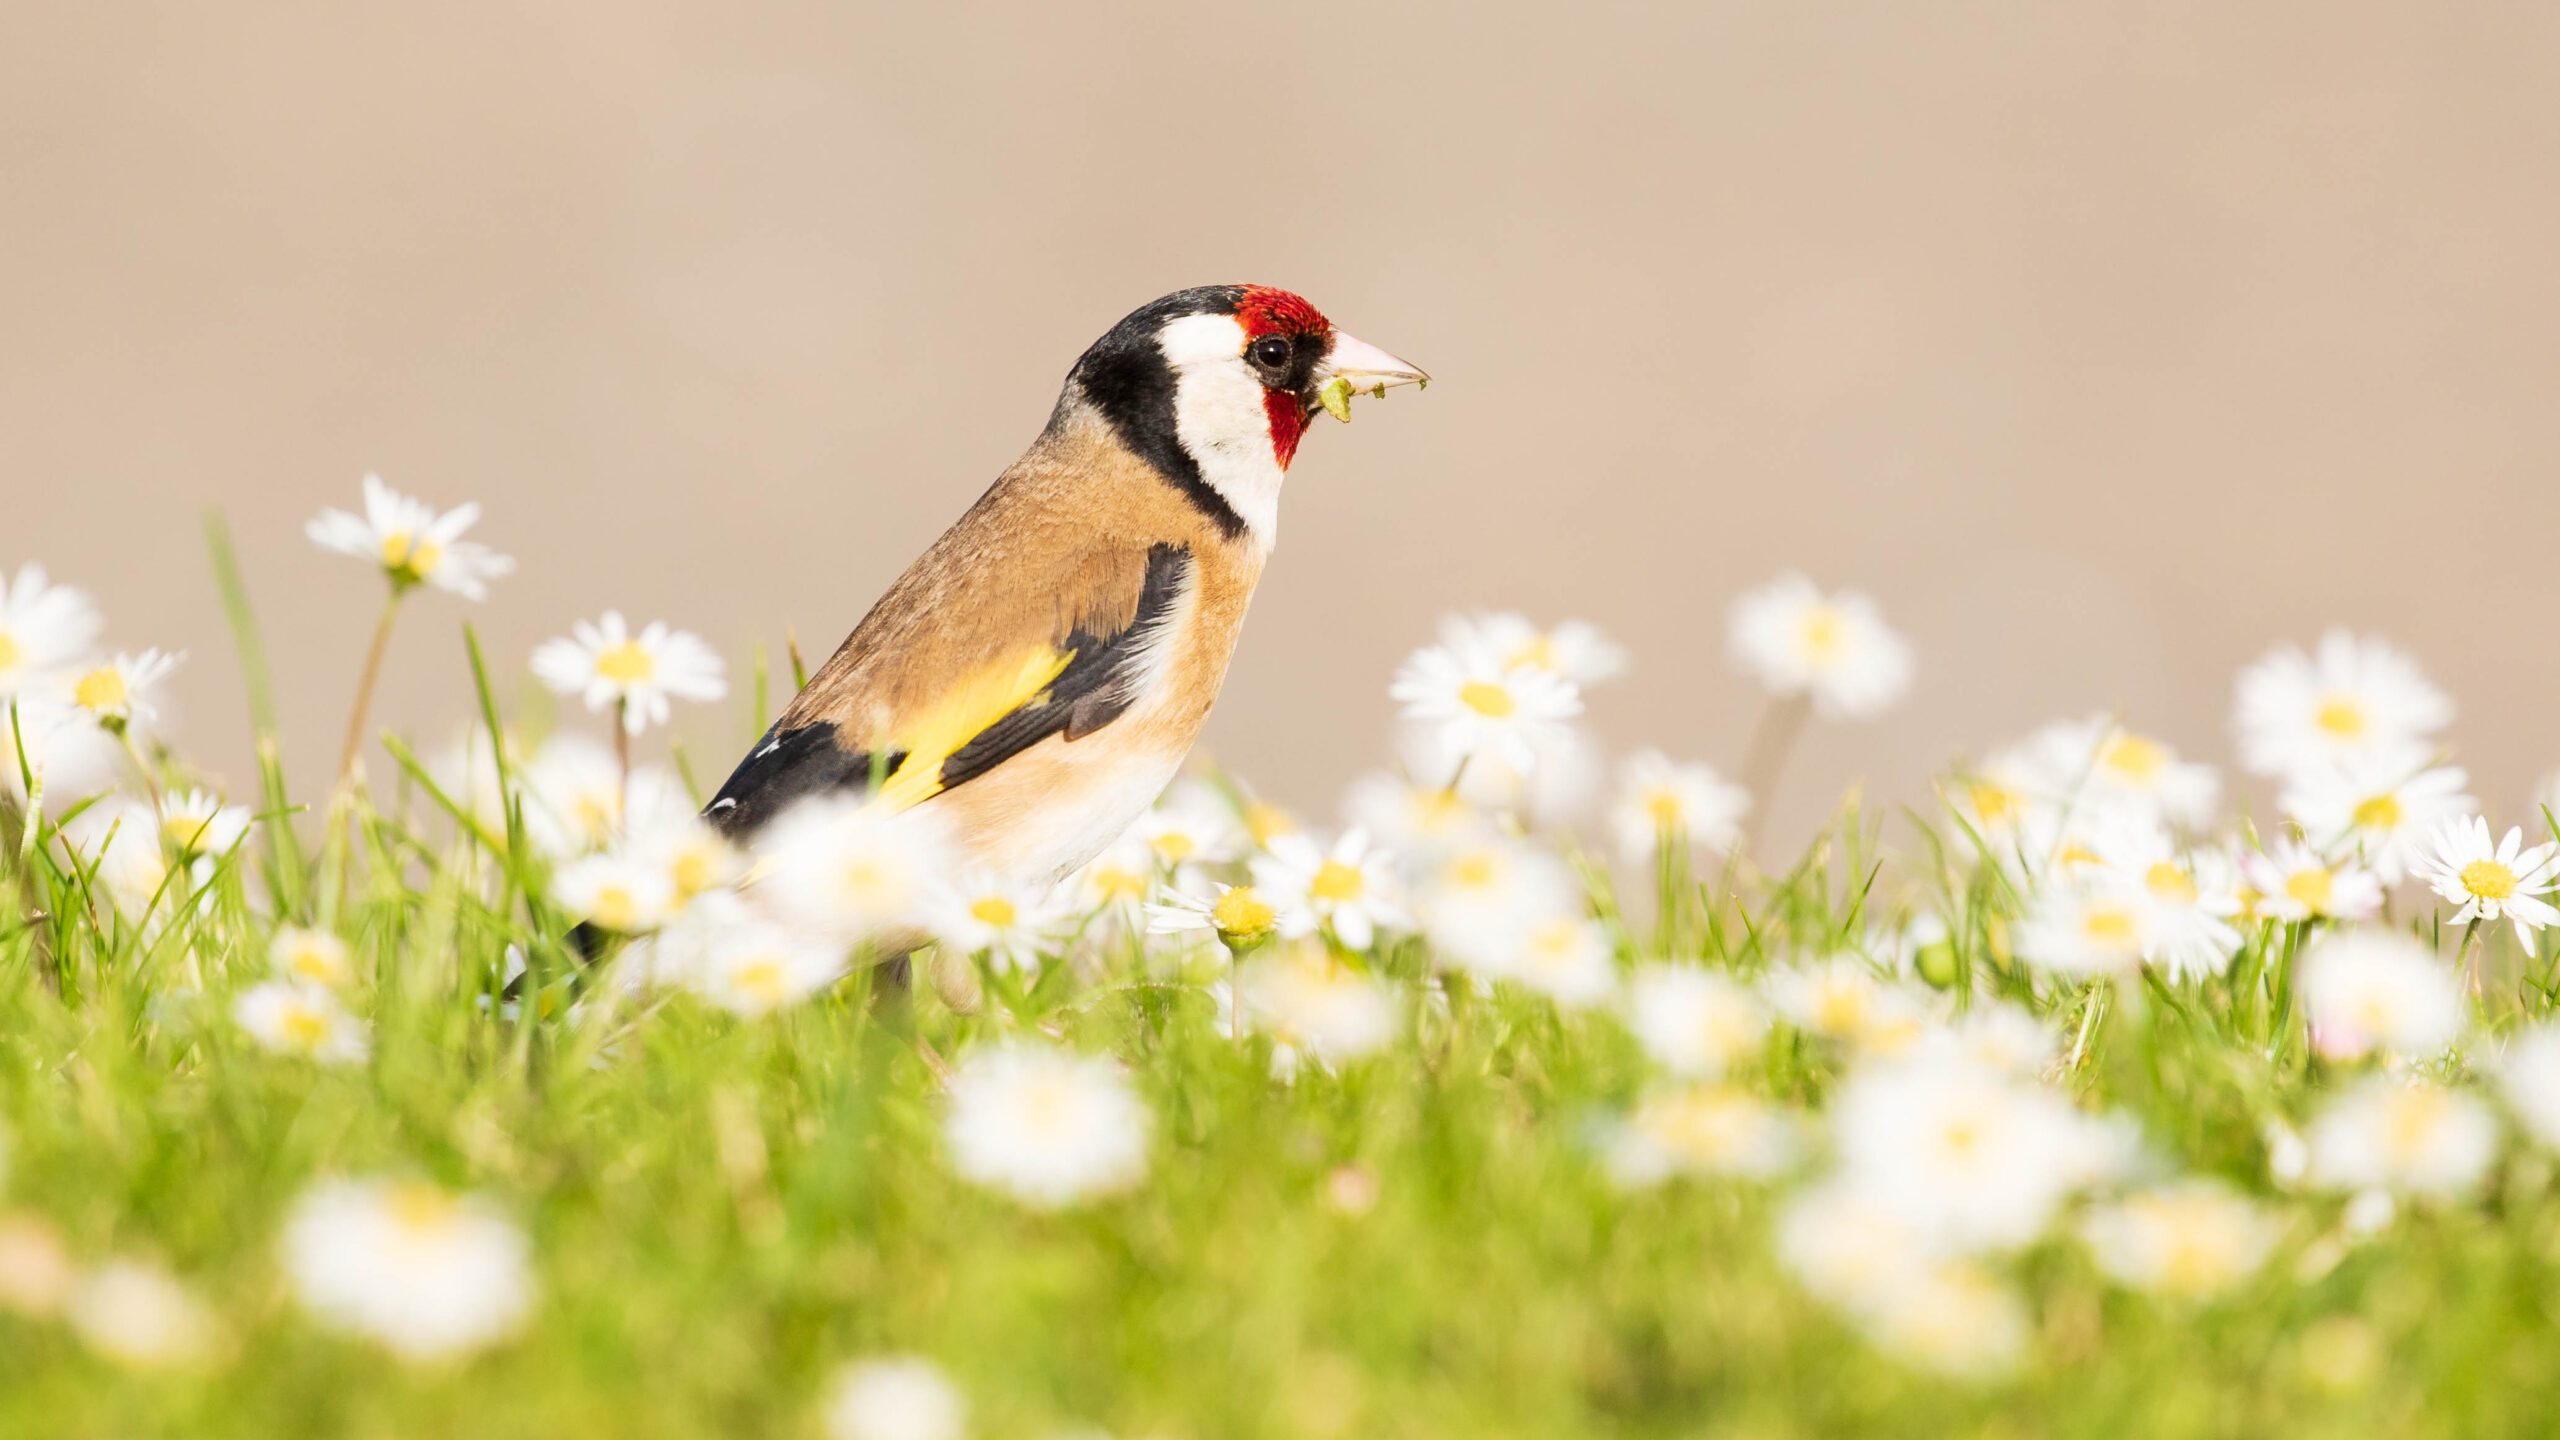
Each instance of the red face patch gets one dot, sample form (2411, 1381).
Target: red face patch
(1266, 311)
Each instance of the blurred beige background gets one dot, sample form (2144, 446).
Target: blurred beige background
(2105, 344)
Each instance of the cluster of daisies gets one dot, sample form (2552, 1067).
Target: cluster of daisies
(2085, 861)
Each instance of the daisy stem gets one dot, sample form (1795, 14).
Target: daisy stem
(142, 767)
(381, 646)
(2463, 961)
(622, 758)
(1765, 755)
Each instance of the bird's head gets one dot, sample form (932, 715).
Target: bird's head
(1215, 386)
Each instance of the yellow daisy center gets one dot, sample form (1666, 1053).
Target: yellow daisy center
(1487, 699)
(2311, 888)
(2488, 880)
(102, 690)
(1992, 803)
(1435, 811)
(2108, 925)
(1114, 883)
(627, 664)
(2413, 1119)
(1241, 912)
(312, 963)
(760, 980)
(2134, 758)
(1268, 822)
(2170, 883)
(1840, 1008)
(185, 832)
(994, 910)
(691, 873)
(2341, 716)
(1337, 882)
(420, 1209)
(2378, 812)
(1174, 847)
(615, 909)
(12, 654)
(1475, 869)
(1821, 634)
(407, 554)
(1665, 808)
(1538, 652)
(305, 1026)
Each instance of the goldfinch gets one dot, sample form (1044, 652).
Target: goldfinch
(1035, 679)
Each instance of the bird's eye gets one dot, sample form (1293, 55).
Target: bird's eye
(1271, 352)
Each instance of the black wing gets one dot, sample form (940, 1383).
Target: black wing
(1098, 684)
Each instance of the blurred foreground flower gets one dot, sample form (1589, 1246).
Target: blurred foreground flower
(895, 1397)
(1664, 805)
(136, 1314)
(2413, 1138)
(2352, 699)
(296, 1017)
(45, 629)
(1047, 1126)
(2189, 1240)
(605, 664)
(2368, 990)
(428, 1274)
(1835, 649)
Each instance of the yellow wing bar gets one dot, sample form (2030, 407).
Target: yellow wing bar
(979, 699)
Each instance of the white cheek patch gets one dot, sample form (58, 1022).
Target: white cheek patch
(1219, 416)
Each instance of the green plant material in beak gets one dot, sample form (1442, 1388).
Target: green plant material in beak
(1335, 397)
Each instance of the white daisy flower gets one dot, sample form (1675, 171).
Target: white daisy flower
(1701, 1130)
(1796, 640)
(839, 864)
(1239, 915)
(120, 839)
(315, 956)
(1414, 820)
(1567, 959)
(1996, 1035)
(1558, 785)
(2103, 769)
(694, 857)
(2411, 1138)
(1846, 1246)
(2351, 699)
(2189, 1239)
(115, 693)
(2192, 894)
(607, 665)
(1693, 1021)
(1660, 801)
(2367, 990)
(45, 629)
(1949, 1316)
(428, 1274)
(135, 1314)
(1010, 924)
(1192, 825)
(617, 890)
(1047, 1126)
(194, 824)
(1970, 1159)
(2295, 884)
(62, 747)
(2504, 881)
(1349, 888)
(1574, 650)
(1478, 900)
(1843, 998)
(411, 542)
(576, 798)
(36, 1270)
(743, 962)
(1316, 1006)
(297, 1017)
(1474, 706)
(895, 1397)
(2529, 1076)
(2382, 806)
(2101, 926)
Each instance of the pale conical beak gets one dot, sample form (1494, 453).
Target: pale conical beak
(1355, 366)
